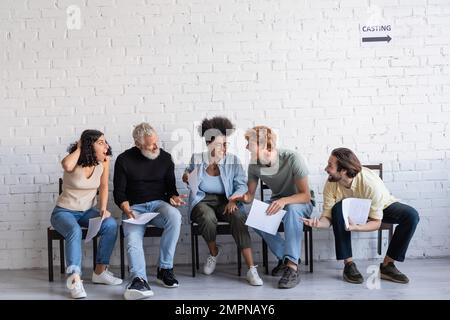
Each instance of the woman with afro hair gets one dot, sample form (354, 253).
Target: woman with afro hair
(220, 176)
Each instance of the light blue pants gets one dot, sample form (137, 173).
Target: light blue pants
(289, 247)
(169, 219)
(68, 223)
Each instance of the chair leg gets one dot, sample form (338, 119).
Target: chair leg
(122, 254)
(94, 244)
(265, 258)
(391, 232)
(50, 256)
(193, 254)
(380, 237)
(239, 260)
(306, 247)
(311, 256)
(197, 259)
(62, 262)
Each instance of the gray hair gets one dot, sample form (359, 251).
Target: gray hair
(140, 131)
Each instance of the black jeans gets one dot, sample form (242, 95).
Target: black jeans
(405, 216)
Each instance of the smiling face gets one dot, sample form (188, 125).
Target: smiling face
(149, 146)
(218, 148)
(101, 148)
(333, 174)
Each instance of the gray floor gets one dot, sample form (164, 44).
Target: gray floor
(430, 279)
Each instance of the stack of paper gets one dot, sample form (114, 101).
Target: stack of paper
(356, 209)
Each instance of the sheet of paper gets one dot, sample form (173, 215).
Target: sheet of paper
(356, 209)
(258, 218)
(93, 228)
(193, 181)
(142, 218)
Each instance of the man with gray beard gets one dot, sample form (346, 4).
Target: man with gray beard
(144, 181)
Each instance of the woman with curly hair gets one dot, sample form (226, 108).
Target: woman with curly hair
(220, 176)
(86, 169)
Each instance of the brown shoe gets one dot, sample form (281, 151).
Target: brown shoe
(351, 273)
(391, 273)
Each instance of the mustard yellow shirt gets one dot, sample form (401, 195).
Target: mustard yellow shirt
(366, 185)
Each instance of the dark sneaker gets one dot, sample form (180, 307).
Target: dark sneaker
(166, 277)
(391, 273)
(139, 289)
(289, 279)
(279, 269)
(351, 273)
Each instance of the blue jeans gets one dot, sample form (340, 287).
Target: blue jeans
(289, 247)
(68, 223)
(169, 219)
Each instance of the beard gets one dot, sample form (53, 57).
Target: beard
(152, 155)
(334, 179)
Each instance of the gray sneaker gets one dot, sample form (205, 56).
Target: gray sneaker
(391, 273)
(279, 269)
(290, 278)
(351, 273)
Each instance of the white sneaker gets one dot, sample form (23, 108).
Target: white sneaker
(106, 277)
(253, 277)
(76, 288)
(211, 261)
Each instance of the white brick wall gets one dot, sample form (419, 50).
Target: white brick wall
(298, 66)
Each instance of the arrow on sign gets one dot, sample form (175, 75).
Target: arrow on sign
(377, 39)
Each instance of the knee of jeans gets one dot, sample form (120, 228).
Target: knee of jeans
(174, 216)
(297, 210)
(110, 224)
(413, 217)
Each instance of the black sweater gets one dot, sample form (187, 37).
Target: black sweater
(138, 179)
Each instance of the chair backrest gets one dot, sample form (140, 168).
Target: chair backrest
(378, 167)
(263, 186)
(60, 186)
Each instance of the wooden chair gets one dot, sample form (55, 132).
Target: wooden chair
(52, 235)
(384, 225)
(223, 228)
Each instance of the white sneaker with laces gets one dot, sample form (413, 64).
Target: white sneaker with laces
(253, 276)
(106, 277)
(211, 262)
(76, 288)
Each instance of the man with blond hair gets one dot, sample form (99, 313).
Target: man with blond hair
(286, 174)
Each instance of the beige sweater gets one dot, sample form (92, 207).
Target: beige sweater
(78, 192)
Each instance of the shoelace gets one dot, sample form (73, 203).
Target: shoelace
(254, 270)
(141, 280)
(169, 274)
(72, 284)
(211, 260)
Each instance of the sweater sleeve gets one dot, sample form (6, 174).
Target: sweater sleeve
(171, 187)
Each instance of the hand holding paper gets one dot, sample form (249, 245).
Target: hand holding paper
(142, 218)
(357, 210)
(259, 219)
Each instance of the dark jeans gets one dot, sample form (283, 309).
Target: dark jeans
(405, 216)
